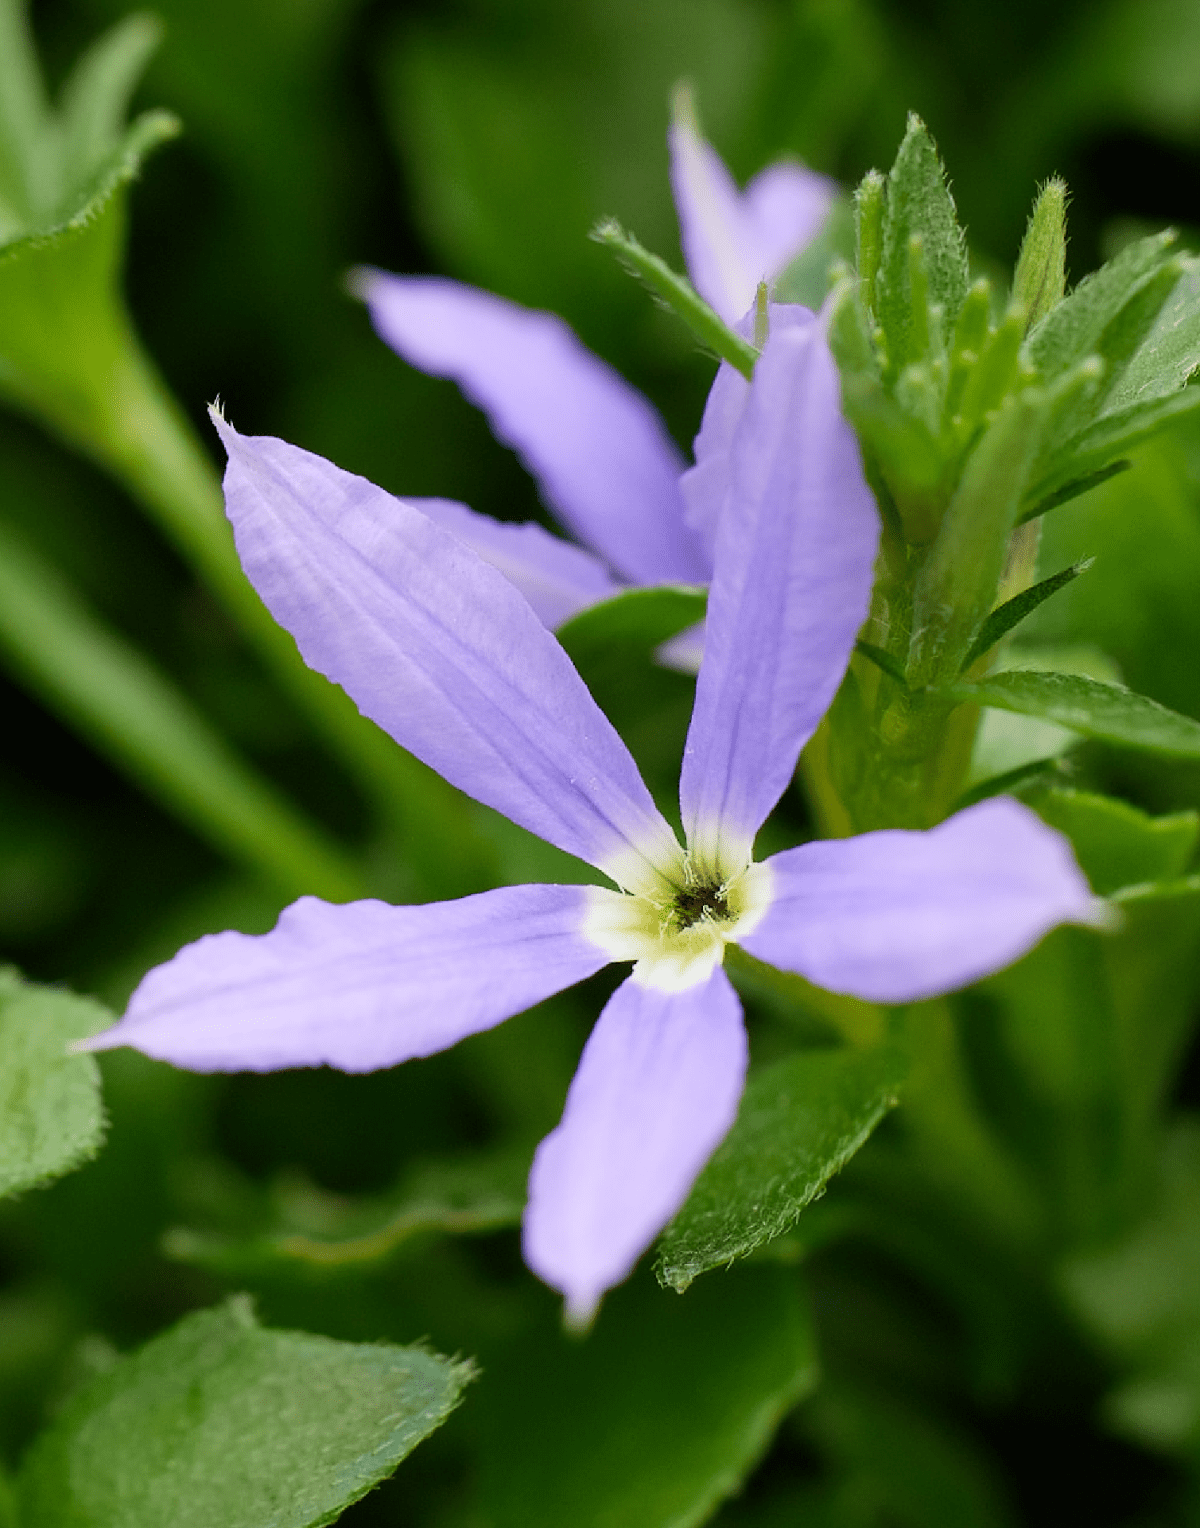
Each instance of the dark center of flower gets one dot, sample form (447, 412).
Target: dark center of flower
(697, 902)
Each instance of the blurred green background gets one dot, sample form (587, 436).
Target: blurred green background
(482, 140)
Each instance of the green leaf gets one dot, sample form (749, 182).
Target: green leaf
(1117, 844)
(957, 584)
(1107, 712)
(635, 622)
(656, 1417)
(1040, 277)
(1171, 351)
(1002, 620)
(679, 295)
(135, 716)
(1073, 490)
(51, 1116)
(96, 97)
(801, 1120)
(1073, 329)
(919, 205)
(24, 118)
(322, 1231)
(218, 1421)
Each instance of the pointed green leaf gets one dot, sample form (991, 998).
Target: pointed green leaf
(957, 584)
(219, 1421)
(51, 1117)
(1073, 329)
(919, 205)
(1107, 712)
(800, 1121)
(96, 96)
(870, 200)
(677, 293)
(1074, 489)
(881, 659)
(27, 160)
(1013, 611)
(1041, 273)
(1170, 353)
(1117, 844)
(652, 1420)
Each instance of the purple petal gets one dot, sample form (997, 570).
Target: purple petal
(600, 452)
(732, 241)
(656, 1091)
(705, 486)
(359, 986)
(441, 651)
(558, 578)
(897, 916)
(796, 544)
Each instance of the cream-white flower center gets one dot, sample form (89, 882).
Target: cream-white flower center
(677, 938)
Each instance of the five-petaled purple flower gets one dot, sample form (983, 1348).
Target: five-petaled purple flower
(445, 655)
(601, 455)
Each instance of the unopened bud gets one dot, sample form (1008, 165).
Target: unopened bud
(1041, 275)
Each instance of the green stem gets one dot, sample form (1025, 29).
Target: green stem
(134, 716)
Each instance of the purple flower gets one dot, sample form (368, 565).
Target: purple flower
(445, 655)
(598, 449)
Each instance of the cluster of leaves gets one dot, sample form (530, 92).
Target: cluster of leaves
(1039, 1176)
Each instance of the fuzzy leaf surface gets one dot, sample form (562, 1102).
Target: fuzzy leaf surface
(51, 1116)
(1107, 712)
(800, 1122)
(219, 1421)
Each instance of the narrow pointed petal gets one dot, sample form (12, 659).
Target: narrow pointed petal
(657, 1089)
(441, 651)
(897, 916)
(558, 578)
(705, 486)
(796, 544)
(732, 241)
(601, 454)
(359, 986)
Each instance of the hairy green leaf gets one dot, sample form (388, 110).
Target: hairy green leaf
(1107, 712)
(919, 205)
(1002, 620)
(800, 1121)
(677, 293)
(51, 1116)
(1073, 329)
(219, 1421)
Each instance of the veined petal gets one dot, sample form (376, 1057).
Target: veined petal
(600, 452)
(705, 487)
(733, 240)
(558, 578)
(796, 546)
(442, 652)
(896, 916)
(359, 986)
(657, 1089)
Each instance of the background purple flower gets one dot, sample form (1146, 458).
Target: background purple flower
(600, 453)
